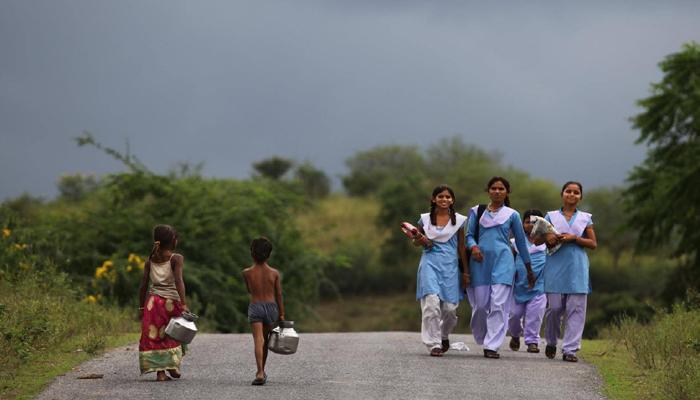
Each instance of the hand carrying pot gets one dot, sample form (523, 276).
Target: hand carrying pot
(182, 328)
(283, 339)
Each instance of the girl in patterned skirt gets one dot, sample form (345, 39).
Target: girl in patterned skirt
(162, 296)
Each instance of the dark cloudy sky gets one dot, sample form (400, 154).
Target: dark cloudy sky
(231, 82)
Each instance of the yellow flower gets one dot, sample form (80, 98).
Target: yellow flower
(91, 299)
(129, 268)
(135, 259)
(100, 272)
(6, 232)
(107, 264)
(20, 246)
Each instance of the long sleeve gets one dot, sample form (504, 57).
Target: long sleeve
(516, 227)
(471, 228)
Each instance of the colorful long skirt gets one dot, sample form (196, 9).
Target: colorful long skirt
(157, 351)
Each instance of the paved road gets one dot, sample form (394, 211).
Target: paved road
(387, 365)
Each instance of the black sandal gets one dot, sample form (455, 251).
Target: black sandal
(435, 352)
(445, 345)
(514, 343)
(569, 358)
(532, 348)
(491, 354)
(550, 351)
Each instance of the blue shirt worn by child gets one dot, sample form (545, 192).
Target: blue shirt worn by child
(566, 271)
(498, 266)
(438, 271)
(521, 292)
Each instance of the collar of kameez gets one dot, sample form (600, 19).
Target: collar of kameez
(531, 247)
(444, 234)
(489, 219)
(576, 225)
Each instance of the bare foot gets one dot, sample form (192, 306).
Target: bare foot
(174, 373)
(161, 377)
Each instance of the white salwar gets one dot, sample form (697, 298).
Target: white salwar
(439, 319)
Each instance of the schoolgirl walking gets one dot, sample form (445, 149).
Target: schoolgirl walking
(440, 283)
(566, 276)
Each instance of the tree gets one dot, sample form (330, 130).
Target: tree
(369, 170)
(315, 182)
(610, 224)
(663, 199)
(273, 168)
(74, 187)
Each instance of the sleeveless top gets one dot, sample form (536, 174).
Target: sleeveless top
(163, 280)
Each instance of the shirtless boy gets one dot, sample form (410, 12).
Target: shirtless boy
(266, 307)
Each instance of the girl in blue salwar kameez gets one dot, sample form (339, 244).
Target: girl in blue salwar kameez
(492, 266)
(440, 283)
(566, 279)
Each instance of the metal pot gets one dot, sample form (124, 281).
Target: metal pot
(182, 328)
(283, 339)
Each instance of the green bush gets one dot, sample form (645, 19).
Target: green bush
(40, 309)
(95, 238)
(668, 349)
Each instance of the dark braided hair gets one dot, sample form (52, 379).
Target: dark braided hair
(453, 214)
(505, 183)
(164, 237)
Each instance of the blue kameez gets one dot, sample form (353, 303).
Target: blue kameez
(498, 266)
(438, 271)
(521, 292)
(566, 271)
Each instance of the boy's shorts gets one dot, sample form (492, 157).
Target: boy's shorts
(267, 313)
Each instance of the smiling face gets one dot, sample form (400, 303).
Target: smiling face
(443, 200)
(498, 192)
(571, 194)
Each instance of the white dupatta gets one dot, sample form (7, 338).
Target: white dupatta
(441, 235)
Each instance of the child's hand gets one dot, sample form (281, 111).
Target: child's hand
(466, 279)
(476, 254)
(567, 238)
(531, 279)
(552, 240)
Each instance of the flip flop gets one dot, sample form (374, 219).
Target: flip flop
(436, 352)
(259, 381)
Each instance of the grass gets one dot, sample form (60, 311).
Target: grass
(623, 379)
(335, 221)
(393, 312)
(41, 368)
(46, 328)
(396, 312)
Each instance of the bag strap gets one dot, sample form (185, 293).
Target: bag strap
(460, 244)
(479, 213)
